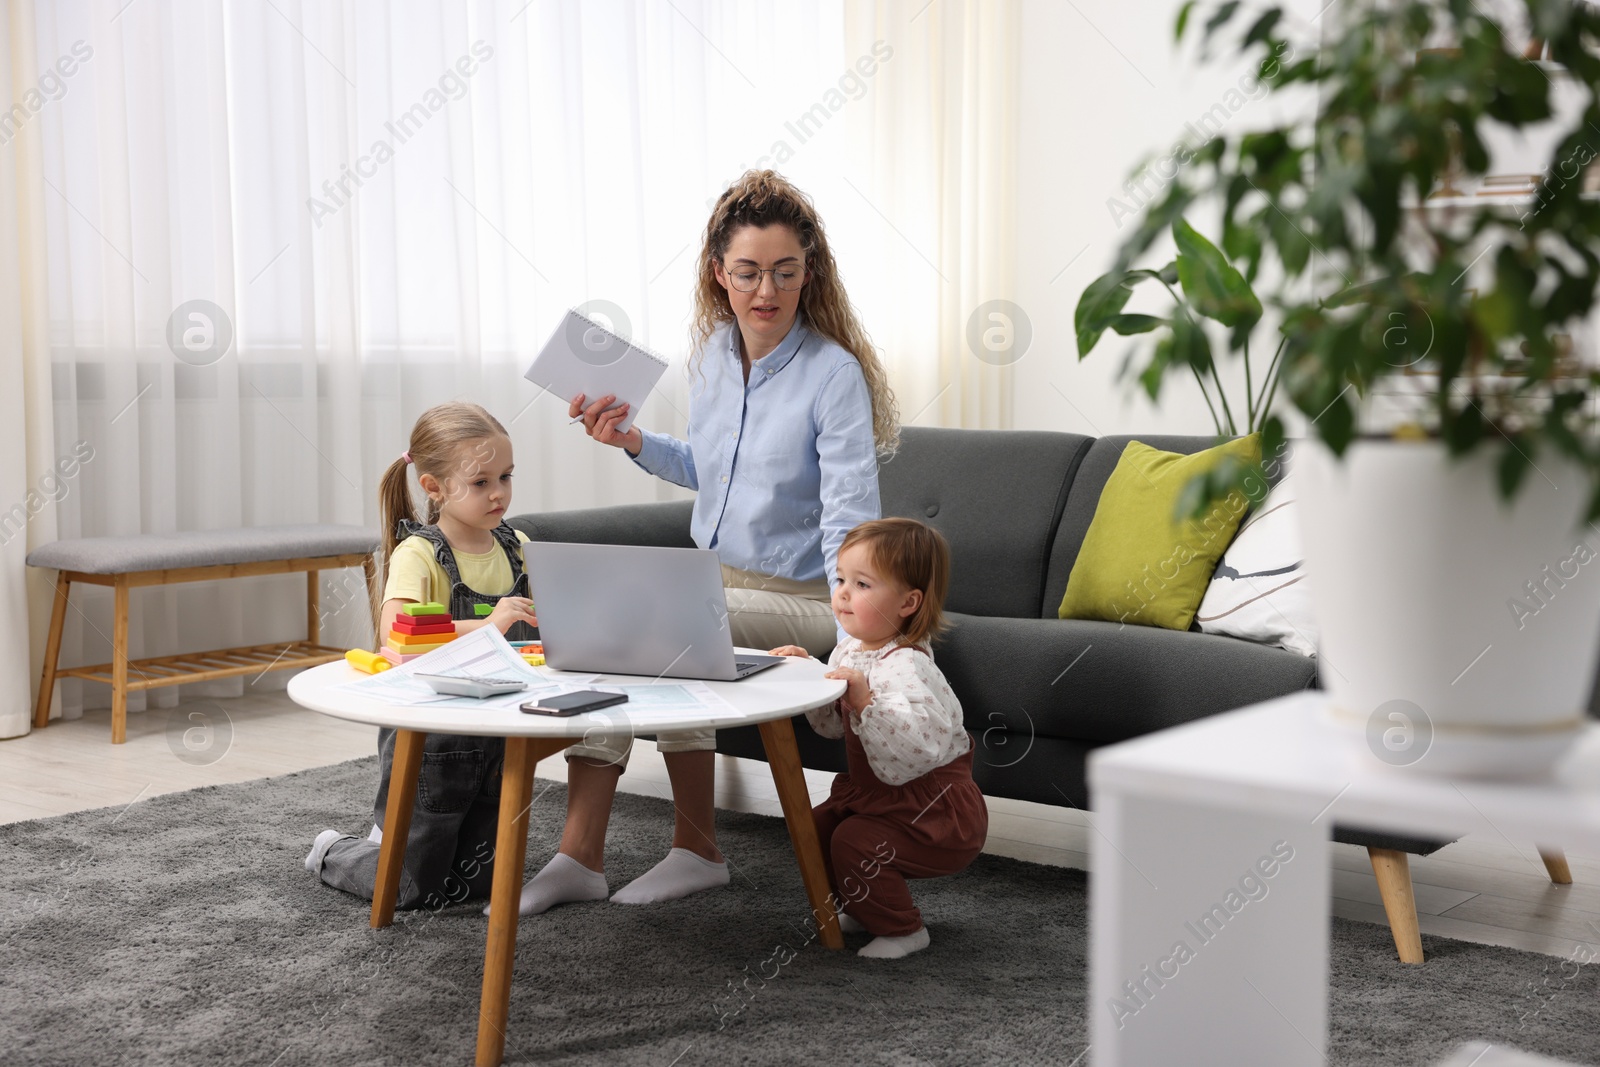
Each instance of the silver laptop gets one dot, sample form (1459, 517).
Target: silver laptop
(628, 609)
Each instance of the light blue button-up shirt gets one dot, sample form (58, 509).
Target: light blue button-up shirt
(783, 466)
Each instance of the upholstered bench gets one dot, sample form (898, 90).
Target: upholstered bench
(125, 563)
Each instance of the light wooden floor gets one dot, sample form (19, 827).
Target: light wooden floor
(1489, 891)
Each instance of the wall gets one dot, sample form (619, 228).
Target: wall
(1103, 89)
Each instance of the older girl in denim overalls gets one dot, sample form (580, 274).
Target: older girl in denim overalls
(463, 461)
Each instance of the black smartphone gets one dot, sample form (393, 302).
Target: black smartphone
(573, 703)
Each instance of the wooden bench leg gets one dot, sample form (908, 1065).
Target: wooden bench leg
(1555, 861)
(52, 652)
(119, 663)
(313, 614)
(370, 570)
(1393, 871)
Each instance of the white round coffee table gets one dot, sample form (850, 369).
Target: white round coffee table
(765, 700)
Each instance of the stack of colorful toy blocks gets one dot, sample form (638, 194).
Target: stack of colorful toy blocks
(418, 629)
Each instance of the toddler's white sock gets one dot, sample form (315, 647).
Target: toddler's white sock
(319, 849)
(849, 925)
(894, 948)
(375, 835)
(681, 873)
(562, 881)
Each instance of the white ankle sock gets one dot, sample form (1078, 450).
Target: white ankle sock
(849, 924)
(681, 873)
(894, 948)
(319, 849)
(562, 881)
(375, 835)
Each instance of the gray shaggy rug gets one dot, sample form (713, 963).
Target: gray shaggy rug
(185, 930)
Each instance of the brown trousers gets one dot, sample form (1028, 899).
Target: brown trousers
(874, 836)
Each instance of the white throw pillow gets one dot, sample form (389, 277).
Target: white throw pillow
(1258, 591)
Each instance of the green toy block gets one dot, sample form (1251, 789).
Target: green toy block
(481, 610)
(424, 609)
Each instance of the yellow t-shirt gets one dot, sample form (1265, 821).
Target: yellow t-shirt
(415, 574)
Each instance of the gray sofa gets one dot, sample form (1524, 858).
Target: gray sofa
(1039, 693)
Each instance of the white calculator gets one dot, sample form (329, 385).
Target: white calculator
(472, 687)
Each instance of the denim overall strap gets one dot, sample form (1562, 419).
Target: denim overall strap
(463, 598)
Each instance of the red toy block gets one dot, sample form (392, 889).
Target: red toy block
(422, 620)
(401, 627)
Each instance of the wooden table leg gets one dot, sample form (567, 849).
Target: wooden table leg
(396, 823)
(52, 651)
(505, 893)
(789, 777)
(119, 662)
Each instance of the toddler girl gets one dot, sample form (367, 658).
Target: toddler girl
(907, 807)
(463, 556)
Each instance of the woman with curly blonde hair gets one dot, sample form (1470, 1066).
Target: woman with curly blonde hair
(789, 412)
(763, 199)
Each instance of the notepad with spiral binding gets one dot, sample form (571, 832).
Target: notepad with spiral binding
(583, 356)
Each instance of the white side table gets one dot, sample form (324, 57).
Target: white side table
(1209, 909)
(766, 700)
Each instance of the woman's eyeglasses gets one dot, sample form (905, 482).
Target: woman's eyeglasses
(748, 279)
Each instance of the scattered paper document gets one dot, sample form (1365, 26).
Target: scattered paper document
(482, 653)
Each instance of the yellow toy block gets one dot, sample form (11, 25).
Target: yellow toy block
(370, 662)
(533, 661)
(414, 650)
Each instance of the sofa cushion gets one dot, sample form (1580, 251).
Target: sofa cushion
(1043, 770)
(817, 753)
(1258, 591)
(996, 495)
(1084, 496)
(1140, 564)
(1102, 682)
(203, 548)
(664, 525)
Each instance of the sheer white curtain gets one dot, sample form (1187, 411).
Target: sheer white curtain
(29, 482)
(939, 178)
(391, 205)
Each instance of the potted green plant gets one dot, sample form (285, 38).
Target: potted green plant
(1204, 287)
(1451, 561)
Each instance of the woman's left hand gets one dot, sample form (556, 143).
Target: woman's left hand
(857, 694)
(601, 423)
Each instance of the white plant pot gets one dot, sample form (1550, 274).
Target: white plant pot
(1459, 633)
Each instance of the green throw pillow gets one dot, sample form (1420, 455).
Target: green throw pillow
(1138, 566)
